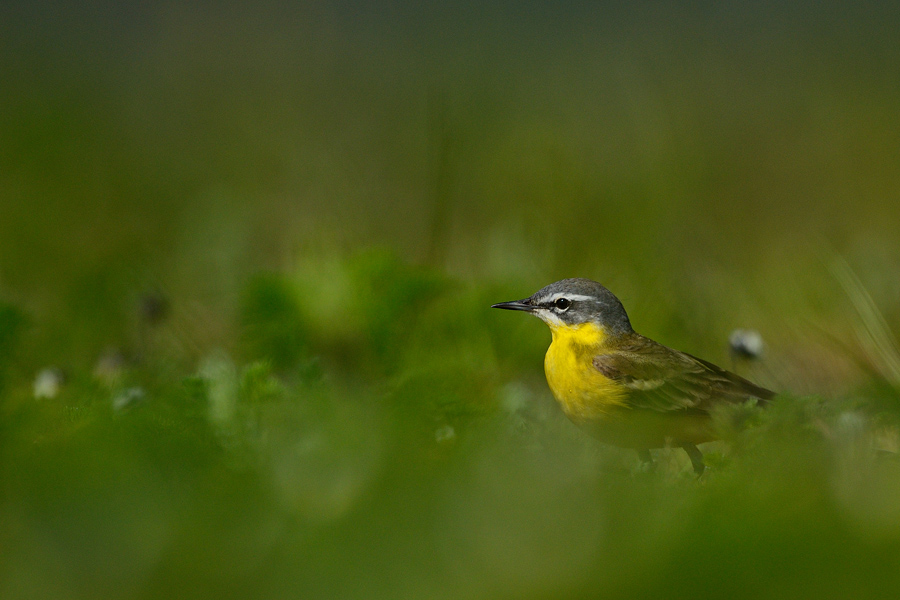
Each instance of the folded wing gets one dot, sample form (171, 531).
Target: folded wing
(665, 380)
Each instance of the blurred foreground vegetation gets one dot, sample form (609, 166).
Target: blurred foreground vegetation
(246, 260)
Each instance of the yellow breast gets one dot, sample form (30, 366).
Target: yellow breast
(585, 394)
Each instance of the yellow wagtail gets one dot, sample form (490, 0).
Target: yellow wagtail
(624, 388)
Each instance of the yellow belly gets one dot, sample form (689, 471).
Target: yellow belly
(586, 396)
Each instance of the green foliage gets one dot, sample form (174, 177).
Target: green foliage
(258, 385)
(309, 463)
(364, 308)
(390, 294)
(272, 325)
(348, 478)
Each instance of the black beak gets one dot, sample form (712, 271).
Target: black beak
(516, 305)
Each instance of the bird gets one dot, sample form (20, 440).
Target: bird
(624, 388)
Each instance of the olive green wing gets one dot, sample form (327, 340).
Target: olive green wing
(661, 379)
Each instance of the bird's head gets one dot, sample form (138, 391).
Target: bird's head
(573, 302)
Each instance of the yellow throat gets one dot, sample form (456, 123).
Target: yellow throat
(581, 390)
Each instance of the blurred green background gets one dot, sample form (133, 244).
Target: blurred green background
(246, 259)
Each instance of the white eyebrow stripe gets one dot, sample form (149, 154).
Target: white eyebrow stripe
(576, 297)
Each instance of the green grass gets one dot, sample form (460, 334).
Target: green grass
(261, 246)
(419, 454)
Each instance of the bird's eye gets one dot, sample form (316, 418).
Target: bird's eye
(562, 303)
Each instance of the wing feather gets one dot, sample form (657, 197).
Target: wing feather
(665, 380)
